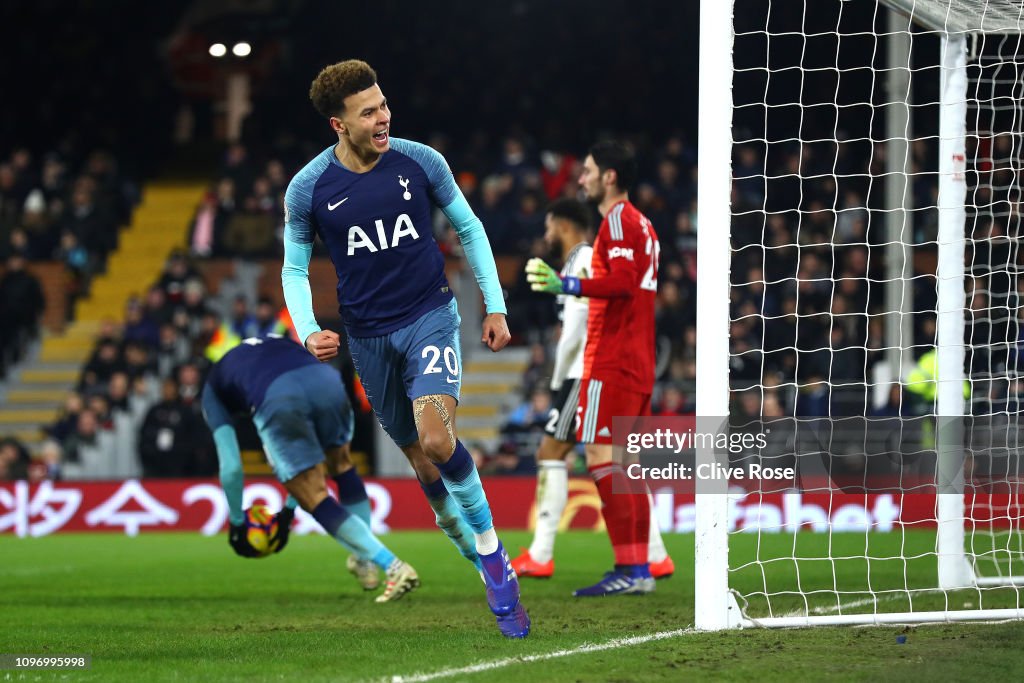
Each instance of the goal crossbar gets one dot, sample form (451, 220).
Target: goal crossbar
(962, 16)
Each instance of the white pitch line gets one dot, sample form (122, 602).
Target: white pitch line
(526, 659)
(851, 604)
(833, 609)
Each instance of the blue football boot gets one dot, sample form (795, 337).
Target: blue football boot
(503, 594)
(620, 582)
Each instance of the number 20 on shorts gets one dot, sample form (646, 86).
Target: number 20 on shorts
(451, 361)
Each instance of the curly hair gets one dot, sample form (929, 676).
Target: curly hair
(336, 82)
(571, 210)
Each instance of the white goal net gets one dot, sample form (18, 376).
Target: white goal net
(874, 323)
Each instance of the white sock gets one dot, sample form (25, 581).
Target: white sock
(487, 542)
(552, 494)
(655, 546)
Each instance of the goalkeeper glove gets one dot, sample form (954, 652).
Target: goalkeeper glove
(284, 526)
(542, 277)
(239, 542)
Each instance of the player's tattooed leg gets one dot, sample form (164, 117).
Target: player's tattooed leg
(437, 401)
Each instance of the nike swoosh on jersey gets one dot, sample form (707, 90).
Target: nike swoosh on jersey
(332, 207)
(452, 380)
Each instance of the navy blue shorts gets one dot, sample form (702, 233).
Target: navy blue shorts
(420, 359)
(304, 413)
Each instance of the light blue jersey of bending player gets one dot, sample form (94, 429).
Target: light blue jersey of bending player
(377, 227)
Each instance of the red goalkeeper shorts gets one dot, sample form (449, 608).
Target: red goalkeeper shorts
(599, 403)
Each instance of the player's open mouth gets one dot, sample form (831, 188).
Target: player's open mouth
(381, 137)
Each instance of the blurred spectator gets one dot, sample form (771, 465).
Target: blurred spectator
(528, 223)
(138, 326)
(10, 201)
(190, 384)
(672, 403)
(99, 405)
(266, 318)
(653, 205)
(237, 168)
(476, 451)
(517, 164)
(494, 213)
(167, 440)
(117, 391)
(509, 460)
(531, 413)
(531, 314)
(93, 226)
(250, 233)
(21, 306)
(156, 308)
(209, 326)
(669, 187)
(203, 239)
(558, 173)
(261, 199)
(672, 314)
(67, 420)
(105, 361)
(172, 351)
(539, 369)
(242, 322)
(77, 268)
(813, 399)
(138, 361)
(47, 462)
(86, 435)
(53, 180)
(14, 460)
(193, 305)
(38, 225)
(177, 271)
(896, 404)
(276, 176)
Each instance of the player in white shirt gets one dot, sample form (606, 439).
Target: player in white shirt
(567, 228)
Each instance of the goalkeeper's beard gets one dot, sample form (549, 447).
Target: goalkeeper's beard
(595, 199)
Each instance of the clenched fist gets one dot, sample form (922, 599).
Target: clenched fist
(323, 345)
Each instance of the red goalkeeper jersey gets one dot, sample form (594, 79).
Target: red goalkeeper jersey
(620, 326)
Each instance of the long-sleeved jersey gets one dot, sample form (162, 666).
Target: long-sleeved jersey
(569, 351)
(622, 292)
(377, 228)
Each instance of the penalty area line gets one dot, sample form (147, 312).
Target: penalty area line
(526, 659)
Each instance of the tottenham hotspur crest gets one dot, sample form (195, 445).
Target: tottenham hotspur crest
(404, 182)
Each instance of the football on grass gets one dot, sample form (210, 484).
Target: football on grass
(261, 527)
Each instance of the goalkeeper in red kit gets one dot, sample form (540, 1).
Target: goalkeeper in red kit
(618, 361)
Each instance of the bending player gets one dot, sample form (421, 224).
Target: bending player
(370, 198)
(567, 225)
(618, 360)
(302, 414)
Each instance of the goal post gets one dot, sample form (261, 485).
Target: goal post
(876, 202)
(949, 275)
(715, 606)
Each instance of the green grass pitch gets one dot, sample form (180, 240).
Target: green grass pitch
(181, 607)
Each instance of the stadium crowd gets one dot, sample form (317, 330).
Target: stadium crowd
(137, 392)
(805, 335)
(66, 207)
